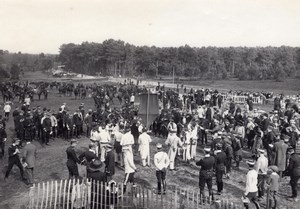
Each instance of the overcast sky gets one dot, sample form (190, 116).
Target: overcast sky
(35, 26)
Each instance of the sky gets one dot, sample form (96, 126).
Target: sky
(35, 26)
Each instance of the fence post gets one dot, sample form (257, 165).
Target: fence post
(31, 197)
(38, 197)
(268, 199)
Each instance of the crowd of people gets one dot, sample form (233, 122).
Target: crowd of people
(192, 122)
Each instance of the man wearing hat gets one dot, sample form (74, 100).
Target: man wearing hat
(94, 171)
(88, 155)
(293, 171)
(88, 120)
(280, 148)
(144, 148)
(220, 158)
(161, 162)
(251, 185)
(172, 128)
(14, 159)
(72, 160)
(47, 128)
(206, 173)
(273, 185)
(261, 168)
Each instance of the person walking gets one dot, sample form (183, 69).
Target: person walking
(14, 159)
(29, 153)
(206, 173)
(220, 163)
(130, 169)
(161, 162)
(261, 168)
(144, 148)
(174, 142)
(72, 160)
(293, 170)
(251, 186)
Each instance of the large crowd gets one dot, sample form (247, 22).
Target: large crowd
(197, 120)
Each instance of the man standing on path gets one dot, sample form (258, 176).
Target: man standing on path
(293, 171)
(206, 173)
(251, 185)
(14, 159)
(28, 157)
(261, 168)
(144, 148)
(72, 160)
(161, 162)
(174, 142)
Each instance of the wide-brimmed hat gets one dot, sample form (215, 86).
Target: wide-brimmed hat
(95, 165)
(274, 168)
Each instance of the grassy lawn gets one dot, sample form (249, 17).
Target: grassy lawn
(51, 161)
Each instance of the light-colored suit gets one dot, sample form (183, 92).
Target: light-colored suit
(29, 156)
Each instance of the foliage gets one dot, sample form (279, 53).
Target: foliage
(15, 72)
(115, 57)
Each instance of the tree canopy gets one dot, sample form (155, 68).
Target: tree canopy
(115, 57)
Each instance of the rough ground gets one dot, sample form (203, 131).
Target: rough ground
(51, 166)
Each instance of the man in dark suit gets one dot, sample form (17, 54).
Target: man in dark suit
(220, 163)
(206, 173)
(72, 160)
(28, 157)
(3, 138)
(109, 162)
(94, 171)
(13, 158)
(293, 171)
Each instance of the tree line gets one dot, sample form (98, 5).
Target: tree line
(14, 64)
(115, 57)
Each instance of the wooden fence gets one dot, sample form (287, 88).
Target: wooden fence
(70, 194)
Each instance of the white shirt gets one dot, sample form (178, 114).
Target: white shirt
(118, 136)
(53, 121)
(127, 140)
(161, 160)
(104, 136)
(262, 164)
(7, 108)
(132, 98)
(200, 112)
(251, 181)
(27, 101)
(144, 139)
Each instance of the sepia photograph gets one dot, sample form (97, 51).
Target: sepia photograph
(149, 104)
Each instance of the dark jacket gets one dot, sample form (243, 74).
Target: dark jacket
(71, 156)
(294, 165)
(110, 163)
(220, 160)
(88, 156)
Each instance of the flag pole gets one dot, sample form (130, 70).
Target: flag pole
(147, 113)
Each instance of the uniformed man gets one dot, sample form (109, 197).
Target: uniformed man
(72, 160)
(251, 185)
(220, 163)
(161, 162)
(293, 170)
(206, 173)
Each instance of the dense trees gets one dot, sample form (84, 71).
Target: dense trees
(115, 57)
(16, 63)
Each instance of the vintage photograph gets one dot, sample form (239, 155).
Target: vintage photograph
(149, 104)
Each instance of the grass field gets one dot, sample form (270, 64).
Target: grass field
(51, 163)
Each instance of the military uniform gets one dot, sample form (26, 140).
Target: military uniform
(206, 173)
